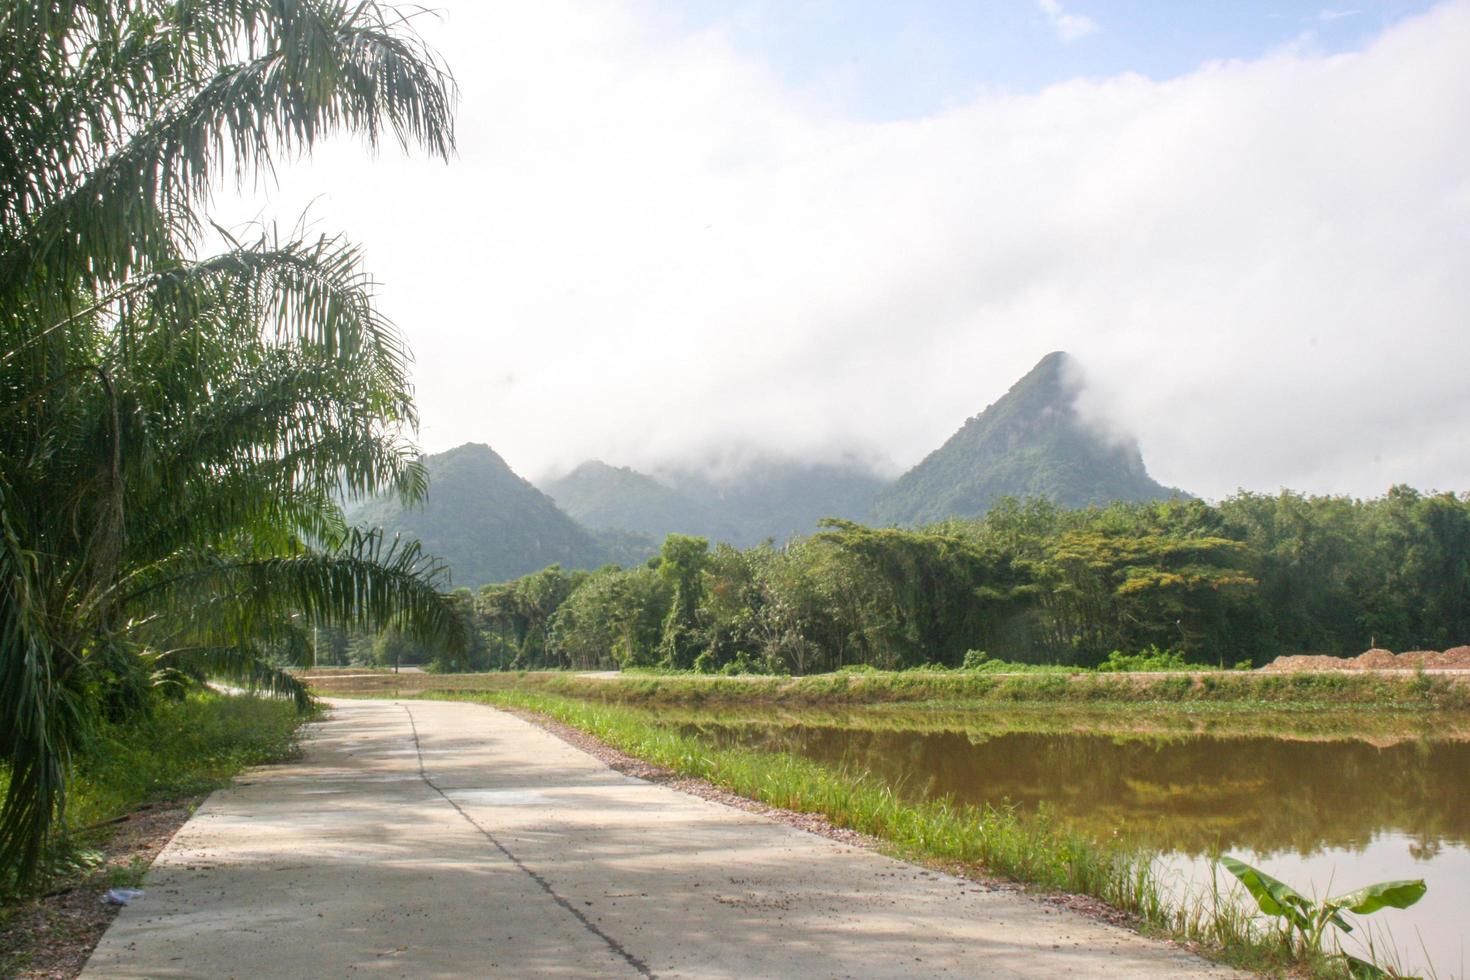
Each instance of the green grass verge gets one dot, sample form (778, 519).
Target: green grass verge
(1422, 692)
(181, 749)
(184, 748)
(1032, 849)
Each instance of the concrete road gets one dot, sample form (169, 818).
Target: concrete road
(427, 839)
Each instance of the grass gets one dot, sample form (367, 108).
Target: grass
(1151, 722)
(1033, 849)
(1411, 693)
(179, 752)
(182, 749)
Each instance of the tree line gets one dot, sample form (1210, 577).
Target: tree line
(1248, 579)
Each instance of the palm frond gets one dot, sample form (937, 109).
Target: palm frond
(244, 664)
(176, 433)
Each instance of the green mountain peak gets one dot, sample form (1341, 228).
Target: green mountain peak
(488, 524)
(1030, 443)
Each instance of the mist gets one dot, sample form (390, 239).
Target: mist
(654, 252)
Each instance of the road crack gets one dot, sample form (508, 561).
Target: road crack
(545, 885)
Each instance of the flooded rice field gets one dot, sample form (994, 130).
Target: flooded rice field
(1324, 813)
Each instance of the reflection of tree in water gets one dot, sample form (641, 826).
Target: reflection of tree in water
(1193, 794)
(1425, 848)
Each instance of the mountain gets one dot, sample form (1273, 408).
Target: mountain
(608, 498)
(780, 498)
(767, 498)
(488, 524)
(1031, 443)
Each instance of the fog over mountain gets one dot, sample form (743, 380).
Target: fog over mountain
(1031, 442)
(656, 244)
(489, 524)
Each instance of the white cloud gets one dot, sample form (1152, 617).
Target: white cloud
(650, 248)
(1069, 27)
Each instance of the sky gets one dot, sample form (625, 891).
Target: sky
(690, 232)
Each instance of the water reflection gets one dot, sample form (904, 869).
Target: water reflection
(1192, 794)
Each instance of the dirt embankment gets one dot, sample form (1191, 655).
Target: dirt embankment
(1455, 658)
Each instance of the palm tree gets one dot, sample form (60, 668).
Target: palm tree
(175, 433)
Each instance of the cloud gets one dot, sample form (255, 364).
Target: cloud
(1069, 27)
(1260, 264)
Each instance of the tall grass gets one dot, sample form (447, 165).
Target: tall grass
(1035, 849)
(180, 749)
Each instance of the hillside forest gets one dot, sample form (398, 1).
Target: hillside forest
(1248, 579)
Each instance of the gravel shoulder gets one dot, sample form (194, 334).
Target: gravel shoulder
(438, 839)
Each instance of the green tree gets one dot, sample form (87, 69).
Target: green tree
(930, 594)
(682, 561)
(177, 431)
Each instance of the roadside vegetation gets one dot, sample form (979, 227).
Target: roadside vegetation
(178, 431)
(134, 781)
(1240, 582)
(1219, 691)
(177, 749)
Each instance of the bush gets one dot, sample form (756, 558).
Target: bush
(980, 662)
(1149, 660)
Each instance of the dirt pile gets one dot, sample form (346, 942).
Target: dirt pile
(1455, 658)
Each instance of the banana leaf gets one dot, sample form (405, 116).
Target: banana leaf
(1384, 895)
(1274, 897)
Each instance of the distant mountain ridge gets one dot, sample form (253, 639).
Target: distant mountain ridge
(607, 497)
(490, 525)
(1030, 443)
(770, 498)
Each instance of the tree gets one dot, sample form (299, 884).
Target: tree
(929, 594)
(176, 431)
(681, 567)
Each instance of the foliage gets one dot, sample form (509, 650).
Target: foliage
(1173, 586)
(1306, 920)
(980, 662)
(1304, 696)
(178, 431)
(179, 748)
(1151, 660)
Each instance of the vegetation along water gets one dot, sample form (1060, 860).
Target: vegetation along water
(1297, 807)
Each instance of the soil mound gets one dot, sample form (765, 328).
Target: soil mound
(1455, 658)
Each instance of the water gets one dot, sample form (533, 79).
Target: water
(1325, 816)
